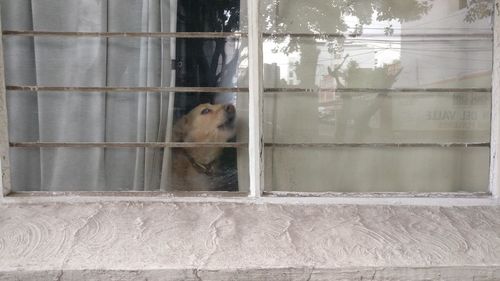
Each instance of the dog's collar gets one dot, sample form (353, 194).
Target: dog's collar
(207, 169)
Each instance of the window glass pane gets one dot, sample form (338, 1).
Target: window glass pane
(385, 169)
(190, 114)
(379, 96)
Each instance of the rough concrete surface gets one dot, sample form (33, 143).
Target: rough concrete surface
(239, 241)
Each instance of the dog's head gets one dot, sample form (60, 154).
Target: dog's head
(207, 123)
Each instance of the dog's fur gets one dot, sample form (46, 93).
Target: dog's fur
(195, 169)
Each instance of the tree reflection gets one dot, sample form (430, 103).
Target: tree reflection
(325, 17)
(329, 19)
(478, 9)
(335, 23)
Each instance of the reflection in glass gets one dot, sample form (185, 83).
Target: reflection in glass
(376, 35)
(370, 72)
(393, 117)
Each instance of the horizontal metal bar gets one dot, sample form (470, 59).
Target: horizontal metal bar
(32, 88)
(377, 90)
(30, 33)
(378, 145)
(139, 90)
(237, 144)
(125, 144)
(379, 194)
(158, 194)
(368, 35)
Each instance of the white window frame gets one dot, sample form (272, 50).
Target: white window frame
(256, 145)
(494, 183)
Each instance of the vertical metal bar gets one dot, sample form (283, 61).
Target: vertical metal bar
(4, 132)
(495, 108)
(255, 110)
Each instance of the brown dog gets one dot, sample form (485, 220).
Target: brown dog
(195, 169)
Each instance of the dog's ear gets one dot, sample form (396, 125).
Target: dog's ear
(180, 128)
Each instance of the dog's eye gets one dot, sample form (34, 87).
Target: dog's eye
(206, 111)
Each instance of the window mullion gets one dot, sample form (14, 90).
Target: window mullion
(4, 132)
(495, 110)
(255, 146)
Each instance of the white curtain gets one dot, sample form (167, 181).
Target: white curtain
(88, 117)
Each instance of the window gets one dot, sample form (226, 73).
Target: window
(365, 96)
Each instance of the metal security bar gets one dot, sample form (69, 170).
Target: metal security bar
(31, 33)
(125, 144)
(238, 144)
(379, 145)
(237, 34)
(139, 90)
(379, 90)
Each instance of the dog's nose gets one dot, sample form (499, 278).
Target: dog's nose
(230, 110)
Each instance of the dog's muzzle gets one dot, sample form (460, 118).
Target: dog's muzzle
(230, 116)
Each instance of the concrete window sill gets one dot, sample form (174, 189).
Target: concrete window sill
(247, 241)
